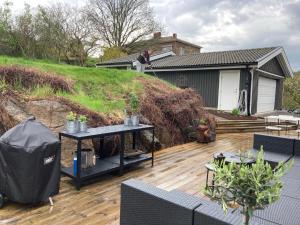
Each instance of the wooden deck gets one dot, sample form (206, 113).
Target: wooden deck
(180, 167)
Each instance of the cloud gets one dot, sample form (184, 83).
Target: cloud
(224, 25)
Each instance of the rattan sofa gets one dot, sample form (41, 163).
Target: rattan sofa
(145, 204)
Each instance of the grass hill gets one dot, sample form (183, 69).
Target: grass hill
(33, 87)
(98, 89)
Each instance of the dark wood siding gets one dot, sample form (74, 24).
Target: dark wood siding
(278, 97)
(205, 82)
(273, 66)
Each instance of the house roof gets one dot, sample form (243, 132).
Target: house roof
(122, 60)
(130, 59)
(235, 57)
(169, 39)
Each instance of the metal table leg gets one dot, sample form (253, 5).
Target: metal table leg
(78, 174)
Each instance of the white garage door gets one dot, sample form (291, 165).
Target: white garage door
(266, 94)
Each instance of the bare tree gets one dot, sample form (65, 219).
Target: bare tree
(122, 22)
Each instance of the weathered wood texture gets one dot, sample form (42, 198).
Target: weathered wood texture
(180, 167)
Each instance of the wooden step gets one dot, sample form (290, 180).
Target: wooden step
(244, 129)
(244, 124)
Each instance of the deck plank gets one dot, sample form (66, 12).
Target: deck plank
(180, 167)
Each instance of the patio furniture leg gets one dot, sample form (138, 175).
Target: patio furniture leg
(78, 173)
(207, 172)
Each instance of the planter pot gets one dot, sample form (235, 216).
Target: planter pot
(82, 127)
(72, 127)
(135, 120)
(127, 121)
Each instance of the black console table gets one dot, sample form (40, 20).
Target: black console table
(108, 164)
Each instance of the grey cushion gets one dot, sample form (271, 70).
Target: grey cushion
(145, 204)
(293, 173)
(281, 145)
(291, 187)
(285, 211)
(296, 160)
(272, 157)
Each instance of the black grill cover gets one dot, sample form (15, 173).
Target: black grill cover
(29, 163)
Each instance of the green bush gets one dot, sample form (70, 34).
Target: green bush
(291, 94)
(251, 187)
(235, 112)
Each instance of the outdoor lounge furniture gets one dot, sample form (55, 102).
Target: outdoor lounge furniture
(146, 204)
(276, 149)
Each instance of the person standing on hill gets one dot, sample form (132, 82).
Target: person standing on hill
(142, 60)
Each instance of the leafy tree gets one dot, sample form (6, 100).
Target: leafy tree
(112, 53)
(251, 187)
(291, 95)
(121, 23)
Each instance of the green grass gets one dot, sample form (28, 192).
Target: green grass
(98, 89)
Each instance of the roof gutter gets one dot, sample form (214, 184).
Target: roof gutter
(202, 68)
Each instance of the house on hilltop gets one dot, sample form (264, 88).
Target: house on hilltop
(220, 77)
(159, 43)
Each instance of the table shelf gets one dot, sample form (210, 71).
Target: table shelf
(105, 166)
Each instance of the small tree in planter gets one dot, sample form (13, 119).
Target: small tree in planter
(134, 106)
(82, 123)
(71, 122)
(250, 187)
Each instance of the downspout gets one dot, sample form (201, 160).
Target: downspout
(249, 90)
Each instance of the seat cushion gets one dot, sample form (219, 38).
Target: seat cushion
(285, 211)
(291, 187)
(272, 157)
(294, 172)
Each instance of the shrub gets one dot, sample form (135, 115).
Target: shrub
(235, 112)
(251, 187)
(291, 95)
(19, 77)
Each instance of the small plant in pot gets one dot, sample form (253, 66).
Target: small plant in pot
(127, 117)
(134, 106)
(251, 187)
(82, 123)
(71, 125)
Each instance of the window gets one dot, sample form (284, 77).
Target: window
(182, 51)
(167, 48)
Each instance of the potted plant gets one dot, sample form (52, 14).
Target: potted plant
(72, 126)
(127, 118)
(251, 187)
(82, 123)
(134, 105)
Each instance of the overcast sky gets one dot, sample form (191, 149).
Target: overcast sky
(230, 24)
